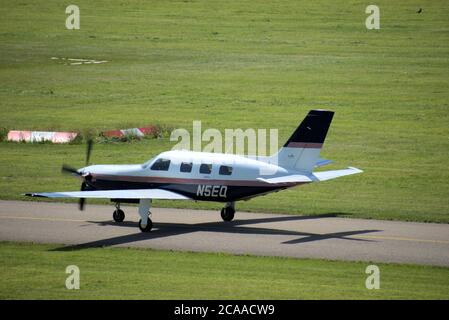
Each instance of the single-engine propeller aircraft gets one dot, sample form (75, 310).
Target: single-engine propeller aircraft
(188, 175)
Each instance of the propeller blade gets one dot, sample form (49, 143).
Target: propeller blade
(68, 169)
(88, 151)
(82, 200)
(81, 203)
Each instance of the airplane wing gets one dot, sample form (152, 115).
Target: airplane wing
(115, 194)
(316, 176)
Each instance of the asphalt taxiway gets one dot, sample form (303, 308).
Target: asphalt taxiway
(327, 236)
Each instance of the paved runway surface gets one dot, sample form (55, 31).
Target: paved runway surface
(249, 233)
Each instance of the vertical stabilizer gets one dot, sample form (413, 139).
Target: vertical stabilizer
(302, 150)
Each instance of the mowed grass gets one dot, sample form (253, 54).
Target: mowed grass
(36, 271)
(238, 64)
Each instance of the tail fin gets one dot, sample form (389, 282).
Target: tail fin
(302, 150)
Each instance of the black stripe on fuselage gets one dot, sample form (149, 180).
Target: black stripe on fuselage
(197, 191)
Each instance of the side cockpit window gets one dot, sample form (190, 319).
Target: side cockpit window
(186, 167)
(225, 170)
(206, 168)
(161, 164)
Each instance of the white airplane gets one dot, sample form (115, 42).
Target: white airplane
(226, 178)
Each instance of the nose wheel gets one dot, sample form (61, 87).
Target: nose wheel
(118, 214)
(227, 213)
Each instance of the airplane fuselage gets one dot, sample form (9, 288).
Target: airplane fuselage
(204, 178)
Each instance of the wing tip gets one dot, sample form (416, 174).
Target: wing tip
(33, 195)
(356, 170)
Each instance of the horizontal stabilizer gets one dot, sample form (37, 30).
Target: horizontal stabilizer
(328, 175)
(115, 194)
(316, 176)
(287, 179)
(322, 162)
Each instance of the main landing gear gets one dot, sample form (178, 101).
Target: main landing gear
(228, 211)
(118, 214)
(148, 226)
(145, 223)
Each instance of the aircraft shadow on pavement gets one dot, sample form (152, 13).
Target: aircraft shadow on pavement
(162, 230)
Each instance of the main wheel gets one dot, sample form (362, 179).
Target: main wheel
(148, 227)
(227, 213)
(118, 215)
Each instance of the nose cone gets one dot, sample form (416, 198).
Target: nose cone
(85, 170)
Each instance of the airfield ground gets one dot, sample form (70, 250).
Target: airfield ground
(91, 241)
(230, 64)
(36, 271)
(324, 237)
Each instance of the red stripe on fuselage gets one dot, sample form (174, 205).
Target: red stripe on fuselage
(305, 145)
(242, 183)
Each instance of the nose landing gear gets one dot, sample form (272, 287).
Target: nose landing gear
(145, 223)
(118, 214)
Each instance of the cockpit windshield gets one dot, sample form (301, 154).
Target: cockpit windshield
(147, 164)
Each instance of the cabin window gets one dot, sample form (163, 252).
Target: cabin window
(206, 168)
(225, 170)
(186, 167)
(161, 165)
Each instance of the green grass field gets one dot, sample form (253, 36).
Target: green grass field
(237, 64)
(32, 271)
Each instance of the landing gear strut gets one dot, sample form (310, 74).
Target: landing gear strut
(145, 223)
(227, 213)
(118, 214)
